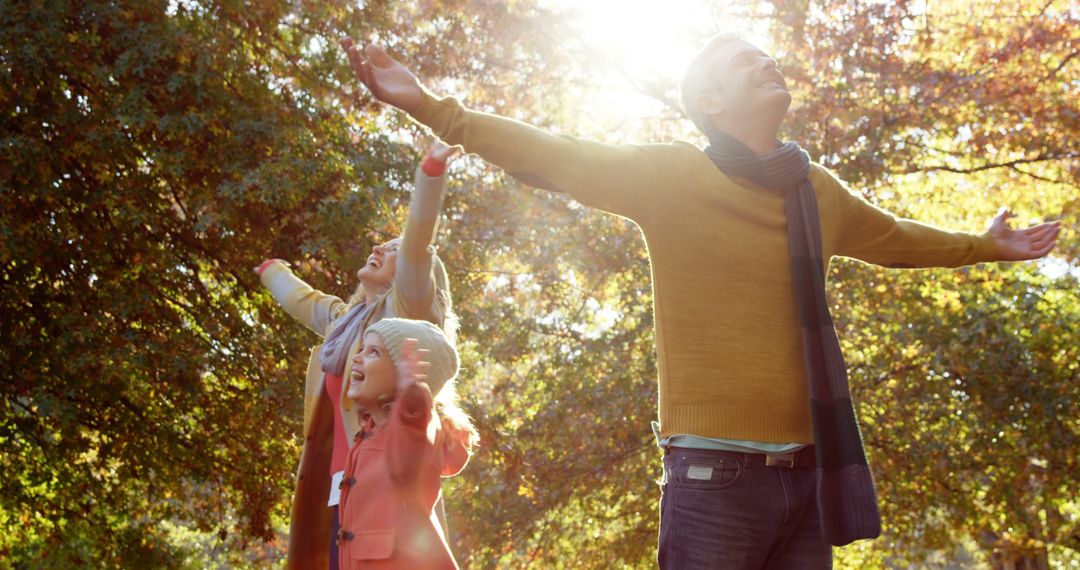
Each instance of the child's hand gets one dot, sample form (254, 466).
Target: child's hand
(411, 366)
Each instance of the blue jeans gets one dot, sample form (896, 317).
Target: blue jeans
(718, 509)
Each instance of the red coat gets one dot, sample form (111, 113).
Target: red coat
(392, 480)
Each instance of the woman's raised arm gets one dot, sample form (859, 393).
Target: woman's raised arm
(413, 280)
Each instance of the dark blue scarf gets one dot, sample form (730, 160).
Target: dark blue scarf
(846, 497)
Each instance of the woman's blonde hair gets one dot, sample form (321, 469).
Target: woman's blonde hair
(443, 300)
(448, 405)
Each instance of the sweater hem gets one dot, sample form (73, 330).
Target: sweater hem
(730, 421)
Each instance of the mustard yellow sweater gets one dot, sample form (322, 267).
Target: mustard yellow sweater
(729, 352)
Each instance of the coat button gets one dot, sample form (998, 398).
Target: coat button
(344, 536)
(347, 482)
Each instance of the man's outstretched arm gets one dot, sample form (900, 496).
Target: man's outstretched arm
(623, 179)
(873, 235)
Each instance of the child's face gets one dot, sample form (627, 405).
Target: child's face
(373, 377)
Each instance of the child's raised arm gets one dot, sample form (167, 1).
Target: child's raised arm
(412, 435)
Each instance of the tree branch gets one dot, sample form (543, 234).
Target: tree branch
(991, 165)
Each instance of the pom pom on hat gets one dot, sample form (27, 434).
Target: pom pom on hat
(441, 354)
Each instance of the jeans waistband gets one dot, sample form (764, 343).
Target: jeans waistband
(805, 458)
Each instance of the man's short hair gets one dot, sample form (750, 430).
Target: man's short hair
(697, 79)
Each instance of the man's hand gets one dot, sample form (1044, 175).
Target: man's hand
(1018, 245)
(388, 80)
(411, 366)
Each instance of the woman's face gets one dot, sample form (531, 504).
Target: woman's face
(379, 270)
(373, 376)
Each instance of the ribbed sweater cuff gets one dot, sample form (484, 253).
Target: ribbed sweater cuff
(428, 108)
(986, 249)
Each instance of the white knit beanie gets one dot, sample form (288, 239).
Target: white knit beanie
(441, 355)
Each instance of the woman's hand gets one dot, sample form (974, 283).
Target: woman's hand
(443, 152)
(411, 367)
(262, 267)
(438, 157)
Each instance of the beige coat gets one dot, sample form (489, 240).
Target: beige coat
(413, 295)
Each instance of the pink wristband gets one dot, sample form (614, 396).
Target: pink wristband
(433, 167)
(264, 265)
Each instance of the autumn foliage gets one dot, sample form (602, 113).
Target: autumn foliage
(152, 152)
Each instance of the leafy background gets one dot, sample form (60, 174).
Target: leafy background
(152, 152)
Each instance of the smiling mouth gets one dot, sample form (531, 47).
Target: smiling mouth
(773, 77)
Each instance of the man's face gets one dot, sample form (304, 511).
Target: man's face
(745, 82)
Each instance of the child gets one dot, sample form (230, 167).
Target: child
(403, 379)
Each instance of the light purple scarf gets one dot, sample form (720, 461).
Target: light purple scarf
(336, 347)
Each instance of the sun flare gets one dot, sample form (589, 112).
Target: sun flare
(638, 50)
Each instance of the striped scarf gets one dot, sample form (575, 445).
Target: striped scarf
(845, 487)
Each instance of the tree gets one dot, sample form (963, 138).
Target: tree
(154, 152)
(944, 113)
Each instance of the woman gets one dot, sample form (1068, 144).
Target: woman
(402, 278)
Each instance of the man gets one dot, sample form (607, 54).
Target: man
(739, 235)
